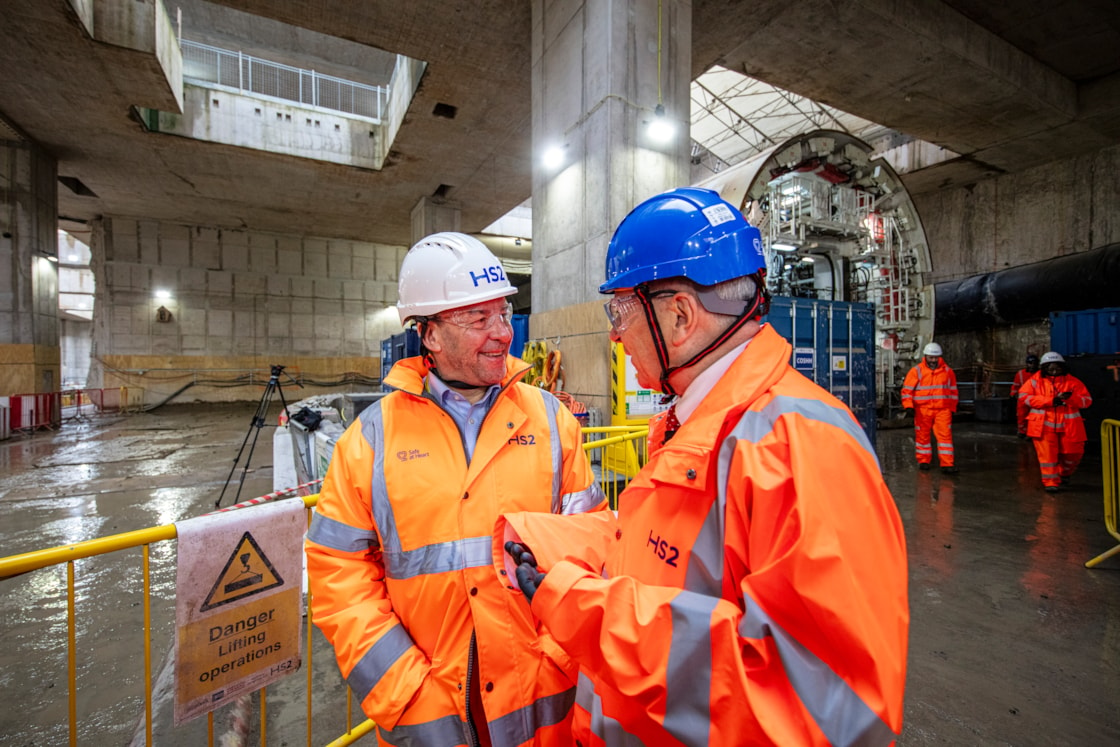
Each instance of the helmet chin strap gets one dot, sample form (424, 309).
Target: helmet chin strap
(645, 296)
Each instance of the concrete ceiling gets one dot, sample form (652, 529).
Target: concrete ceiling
(1008, 85)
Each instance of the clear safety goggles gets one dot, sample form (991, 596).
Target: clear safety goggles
(620, 309)
(476, 319)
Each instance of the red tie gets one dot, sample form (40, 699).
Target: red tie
(671, 422)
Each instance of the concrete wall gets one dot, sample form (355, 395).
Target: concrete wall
(270, 125)
(1059, 208)
(75, 345)
(29, 358)
(1054, 209)
(239, 302)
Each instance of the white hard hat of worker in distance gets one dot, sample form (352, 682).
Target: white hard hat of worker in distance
(448, 271)
(1052, 357)
(932, 349)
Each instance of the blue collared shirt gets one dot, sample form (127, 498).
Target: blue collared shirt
(466, 415)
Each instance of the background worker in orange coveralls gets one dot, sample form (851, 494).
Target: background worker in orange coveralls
(753, 591)
(931, 389)
(1021, 408)
(1056, 399)
(432, 643)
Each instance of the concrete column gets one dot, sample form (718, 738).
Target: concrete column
(599, 70)
(431, 216)
(29, 347)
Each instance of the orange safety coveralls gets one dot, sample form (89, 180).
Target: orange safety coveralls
(400, 569)
(932, 392)
(1058, 432)
(754, 590)
(1021, 408)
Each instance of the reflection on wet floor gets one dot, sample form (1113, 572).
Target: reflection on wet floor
(1013, 641)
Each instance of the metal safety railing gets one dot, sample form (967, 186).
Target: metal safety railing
(620, 451)
(235, 70)
(616, 455)
(1110, 468)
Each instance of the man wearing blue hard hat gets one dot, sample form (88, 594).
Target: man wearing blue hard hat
(753, 589)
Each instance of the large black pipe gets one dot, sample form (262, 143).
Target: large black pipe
(1028, 293)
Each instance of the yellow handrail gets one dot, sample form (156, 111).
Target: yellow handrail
(1110, 469)
(14, 565)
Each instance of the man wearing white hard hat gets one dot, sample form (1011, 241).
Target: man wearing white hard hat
(438, 648)
(930, 389)
(1055, 399)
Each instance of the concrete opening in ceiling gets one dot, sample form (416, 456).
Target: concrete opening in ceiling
(257, 83)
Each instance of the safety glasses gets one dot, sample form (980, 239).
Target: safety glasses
(476, 319)
(620, 309)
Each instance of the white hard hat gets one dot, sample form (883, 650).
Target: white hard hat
(1052, 357)
(932, 349)
(448, 271)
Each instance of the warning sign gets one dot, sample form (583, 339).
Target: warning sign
(247, 572)
(238, 603)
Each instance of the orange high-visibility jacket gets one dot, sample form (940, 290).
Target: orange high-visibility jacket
(1045, 419)
(399, 562)
(1021, 377)
(930, 388)
(755, 589)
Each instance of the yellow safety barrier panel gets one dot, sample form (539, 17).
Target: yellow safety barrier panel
(1110, 467)
(616, 437)
(617, 455)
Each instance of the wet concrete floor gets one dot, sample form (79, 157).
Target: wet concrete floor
(1012, 640)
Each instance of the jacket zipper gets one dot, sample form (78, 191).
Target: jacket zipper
(470, 672)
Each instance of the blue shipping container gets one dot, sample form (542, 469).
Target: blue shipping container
(398, 347)
(834, 345)
(520, 324)
(1088, 332)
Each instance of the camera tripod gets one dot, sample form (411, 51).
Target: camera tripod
(273, 387)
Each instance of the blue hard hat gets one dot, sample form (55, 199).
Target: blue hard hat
(689, 232)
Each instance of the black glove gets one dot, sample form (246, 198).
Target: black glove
(529, 578)
(1060, 398)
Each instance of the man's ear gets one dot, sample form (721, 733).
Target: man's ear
(429, 337)
(686, 318)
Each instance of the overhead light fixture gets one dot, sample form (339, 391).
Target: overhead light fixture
(72, 258)
(553, 157)
(660, 129)
(517, 242)
(783, 247)
(163, 295)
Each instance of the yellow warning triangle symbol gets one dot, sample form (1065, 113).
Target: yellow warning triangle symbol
(247, 572)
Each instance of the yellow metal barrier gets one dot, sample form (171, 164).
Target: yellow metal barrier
(1110, 467)
(619, 455)
(617, 437)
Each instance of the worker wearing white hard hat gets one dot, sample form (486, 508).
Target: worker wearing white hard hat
(430, 639)
(1055, 399)
(930, 389)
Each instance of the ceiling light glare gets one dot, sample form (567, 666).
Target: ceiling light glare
(660, 130)
(783, 247)
(163, 295)
(553, 158)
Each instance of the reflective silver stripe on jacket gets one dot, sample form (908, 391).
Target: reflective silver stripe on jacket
(374, 663)
(449, 730)
(552, 408)
(519, 727)
(606, 728)
(838, 710)
(334, 534)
